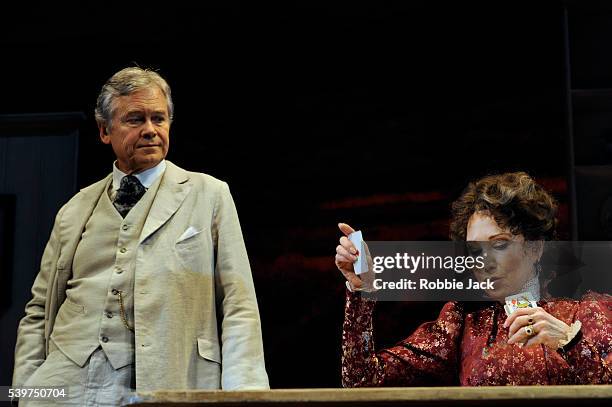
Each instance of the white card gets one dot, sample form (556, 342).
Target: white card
(359, 265)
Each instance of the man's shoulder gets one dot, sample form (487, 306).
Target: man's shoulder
(86, 194)
(204, 179)
(199, 179)
(92, 189)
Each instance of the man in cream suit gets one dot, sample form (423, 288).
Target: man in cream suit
(145, 282)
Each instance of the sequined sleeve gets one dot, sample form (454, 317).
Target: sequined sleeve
(590, 355)
(427, 357)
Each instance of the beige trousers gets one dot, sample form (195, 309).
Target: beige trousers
(95, 384)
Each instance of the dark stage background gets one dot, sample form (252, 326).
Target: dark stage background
(372, 113)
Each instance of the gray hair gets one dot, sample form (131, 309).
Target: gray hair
(123, 83)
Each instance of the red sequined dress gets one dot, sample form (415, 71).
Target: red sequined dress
(467, 345)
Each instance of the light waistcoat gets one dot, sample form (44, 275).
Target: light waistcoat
(103, 266)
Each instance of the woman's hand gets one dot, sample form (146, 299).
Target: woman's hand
(547, 329)
(346, 255)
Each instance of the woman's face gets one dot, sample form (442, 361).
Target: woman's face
(509, 260)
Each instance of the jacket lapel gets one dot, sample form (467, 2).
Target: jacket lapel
(75, 217)
(171, 193)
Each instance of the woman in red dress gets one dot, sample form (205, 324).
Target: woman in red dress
(475, 344)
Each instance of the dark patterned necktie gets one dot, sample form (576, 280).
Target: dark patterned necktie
(129, 193)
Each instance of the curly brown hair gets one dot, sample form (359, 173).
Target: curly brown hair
(514, 200)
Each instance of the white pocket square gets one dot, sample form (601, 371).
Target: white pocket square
(190, 232)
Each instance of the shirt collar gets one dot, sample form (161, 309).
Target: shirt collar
(533, 286)
(146, 178)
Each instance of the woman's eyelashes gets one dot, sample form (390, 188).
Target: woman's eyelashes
(500, 244)
(474, 249)
(481, 248)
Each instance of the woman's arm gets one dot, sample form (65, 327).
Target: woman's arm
(590, 354)
(429, 356)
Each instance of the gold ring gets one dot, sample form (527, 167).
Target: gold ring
(530, 321)
(529, 330)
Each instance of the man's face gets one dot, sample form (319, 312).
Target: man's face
(140, 132)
